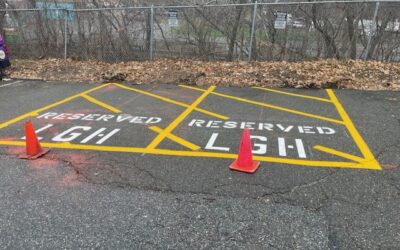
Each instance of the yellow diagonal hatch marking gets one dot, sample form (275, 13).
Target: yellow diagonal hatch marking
(338, 153)
(179, 119)
(165, 99)
(293, 94)
(101, 104)
(176, 139)
(269, 106)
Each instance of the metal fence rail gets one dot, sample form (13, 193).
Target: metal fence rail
(289, 31)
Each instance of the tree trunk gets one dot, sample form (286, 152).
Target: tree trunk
(351, 32)
(148, 31)
(2, 14)
(331, 49)
(233, 35)
(378, 37)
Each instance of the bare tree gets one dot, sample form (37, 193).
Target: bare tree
(2, 15)
(378, 37)
(351, 29)
(234, 31)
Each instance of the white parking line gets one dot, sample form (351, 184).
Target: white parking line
(8, 84)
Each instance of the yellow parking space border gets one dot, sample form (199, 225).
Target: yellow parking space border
(262, 104)
(359, 141)
(309, 163)
(293, 94)
(37, 111)
(368, 160)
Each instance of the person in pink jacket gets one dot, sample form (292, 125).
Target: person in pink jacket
(4, 58)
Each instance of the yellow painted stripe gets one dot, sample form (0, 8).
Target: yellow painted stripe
(292, 94)
(101, 104)
(37, 111)
(222, 117)
(179, 119)
(365, 151)
(269, 106)
(165, 99)
(297, 162)
(7, 123)
(176, 139)
(338, 153)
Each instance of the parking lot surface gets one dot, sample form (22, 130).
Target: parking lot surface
(146, 164)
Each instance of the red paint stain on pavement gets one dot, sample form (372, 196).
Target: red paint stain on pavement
(390, 166)
(45, 169)
(54, 171)
(69, 180)
(43, 164)
(77, 158)
(15, 150)
(8, 139)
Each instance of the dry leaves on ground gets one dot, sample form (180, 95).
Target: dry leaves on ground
(352, 74)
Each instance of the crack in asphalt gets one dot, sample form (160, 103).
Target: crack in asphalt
(390, 166)
(387, 148)
(124, 181)
(75, 166)
(294, 188)
(241, 183)
(149, 173)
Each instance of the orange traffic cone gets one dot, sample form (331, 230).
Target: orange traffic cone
(244, 162)
(33, 148)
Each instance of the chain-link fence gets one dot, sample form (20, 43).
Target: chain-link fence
(289, 31)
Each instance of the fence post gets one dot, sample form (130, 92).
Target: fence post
(372, 30)
(253, 27)
(151, 31)
(66, 12)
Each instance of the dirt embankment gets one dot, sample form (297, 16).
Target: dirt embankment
(350, 74)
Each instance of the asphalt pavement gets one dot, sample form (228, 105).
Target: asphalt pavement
(147, 166)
